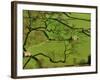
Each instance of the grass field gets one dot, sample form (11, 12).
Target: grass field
(56, 39)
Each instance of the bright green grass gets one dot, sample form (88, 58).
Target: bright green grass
(49, 48)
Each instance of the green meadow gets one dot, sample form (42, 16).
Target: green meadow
(56, 39)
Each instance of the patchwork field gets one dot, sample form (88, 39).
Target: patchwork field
(56, 39)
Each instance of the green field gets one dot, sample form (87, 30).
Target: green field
(56, 39)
